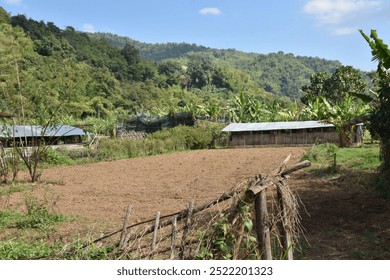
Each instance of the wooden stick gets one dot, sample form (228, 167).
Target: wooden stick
(282, 166)
(162, 239)
(296, 167)
(156, 224)
(250, 194)
(262, 224)
(186, 230)
(173, 240)
(122, 243)
(180, 215)
(238, 242)
(285, 225)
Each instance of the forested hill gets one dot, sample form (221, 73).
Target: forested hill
(279, 73)
(152, 52)
(105, 75)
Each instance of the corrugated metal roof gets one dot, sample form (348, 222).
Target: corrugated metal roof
(16, 131)
(264, 126)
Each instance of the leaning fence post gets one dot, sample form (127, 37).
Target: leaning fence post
(262, 224)
(124, 229)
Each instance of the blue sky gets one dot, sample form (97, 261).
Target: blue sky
(323, 28)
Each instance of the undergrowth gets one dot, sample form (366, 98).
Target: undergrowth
(360, 164)
(180, 138)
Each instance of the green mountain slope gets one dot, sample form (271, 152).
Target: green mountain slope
(104, 75)
(278, 73)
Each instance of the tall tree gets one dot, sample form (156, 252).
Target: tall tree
(200, 69)
(380, 116)
(344, 81)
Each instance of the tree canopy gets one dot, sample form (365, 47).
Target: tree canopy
(380, 114)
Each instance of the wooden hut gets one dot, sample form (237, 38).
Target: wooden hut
(285, 133)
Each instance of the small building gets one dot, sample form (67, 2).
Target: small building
(30, 135)
(285, 133)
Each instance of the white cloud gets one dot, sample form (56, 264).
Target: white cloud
(87, 27)
(335, 11)
(13, 2)
(344, 31)
(210, 11)
(340, 15)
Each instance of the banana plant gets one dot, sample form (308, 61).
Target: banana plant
(341, 113)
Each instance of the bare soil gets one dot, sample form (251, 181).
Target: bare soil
(341, 221)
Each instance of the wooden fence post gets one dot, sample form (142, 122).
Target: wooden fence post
(186, 230)
(173, 240)
(123, 242)
(262, 225)
(285, 226)
(156, 225)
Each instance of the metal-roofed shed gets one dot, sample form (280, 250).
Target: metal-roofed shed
(282, 133)
(53, 135)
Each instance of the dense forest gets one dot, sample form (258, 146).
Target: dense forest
(277, 73)
(102, 75)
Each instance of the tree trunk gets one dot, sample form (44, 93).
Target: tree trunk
(385, 155)
(345, 134)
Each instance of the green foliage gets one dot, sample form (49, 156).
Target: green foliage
(53, 157)
(106, 76)
(12, 188)
(343, 82)
(380, 115)
(4, 16)
(37, 221)
(322, 153)
(26, 250)
(278, 73)
(39, 214)
(340, 114)
(246, 108)
(179, 138)
(364, 158)
(93, 252)
(380, 51)
(220, 241)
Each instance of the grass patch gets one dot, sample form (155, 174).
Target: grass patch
(329, 158)
(363, 158)
(27, 250)
(40, 215)
(13, 188)
(360, 164)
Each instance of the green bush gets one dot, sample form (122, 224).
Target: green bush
(54, 157)
(26, 250)
(40, 214)
(179, 138)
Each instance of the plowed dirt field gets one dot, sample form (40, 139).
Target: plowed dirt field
(341, 222)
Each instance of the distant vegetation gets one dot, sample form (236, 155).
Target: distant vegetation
(107, 76)
(277, 73)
